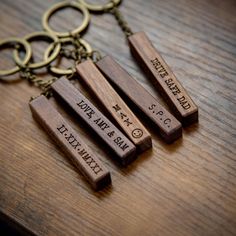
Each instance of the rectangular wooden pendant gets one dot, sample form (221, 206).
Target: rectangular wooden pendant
(123, 148)
(163, 78)
(115, 105)
(169, 127)
(70, 142)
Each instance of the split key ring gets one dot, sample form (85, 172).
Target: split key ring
(76, 5)
(17, 43)
(99, 7)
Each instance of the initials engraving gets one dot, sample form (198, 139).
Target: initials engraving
(170, 83)
(136, 133)
(160, 114)
(123, 116)
(75, 144)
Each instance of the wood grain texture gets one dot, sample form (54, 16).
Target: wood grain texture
(114, 105)
(165, 123)
(163, 78)
(70, 142)
(122, 147)
(187, 188)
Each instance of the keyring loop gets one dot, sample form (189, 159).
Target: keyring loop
(100, 8)
(68, 71)
(28, 54)
(39, 35)
(58, 6)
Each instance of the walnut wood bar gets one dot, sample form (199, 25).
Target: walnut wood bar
(113, 103)
(163, 78)
(187, 188)
(168, 126)
(124, 149)
(70, 143)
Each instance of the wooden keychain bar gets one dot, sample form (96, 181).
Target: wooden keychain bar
(169, 128)
(70, 143)
(154, 66)
(163, 78)
(110, 99)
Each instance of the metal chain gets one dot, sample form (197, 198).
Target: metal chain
(44, 85)
(80, 52)
(121, 21)
(95, 56)
(77, 54)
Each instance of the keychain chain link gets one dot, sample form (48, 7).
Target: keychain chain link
(78, 54)
(121, 21)
(44, 85)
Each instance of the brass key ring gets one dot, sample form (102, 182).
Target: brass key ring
(68, 71)
(40, 35)
(28, 53)
(99, 8)
(61, 5)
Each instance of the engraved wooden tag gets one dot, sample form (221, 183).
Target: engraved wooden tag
(115, 105)
(70, 142)
(163, 78)
(124, 149)
(170, 128)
